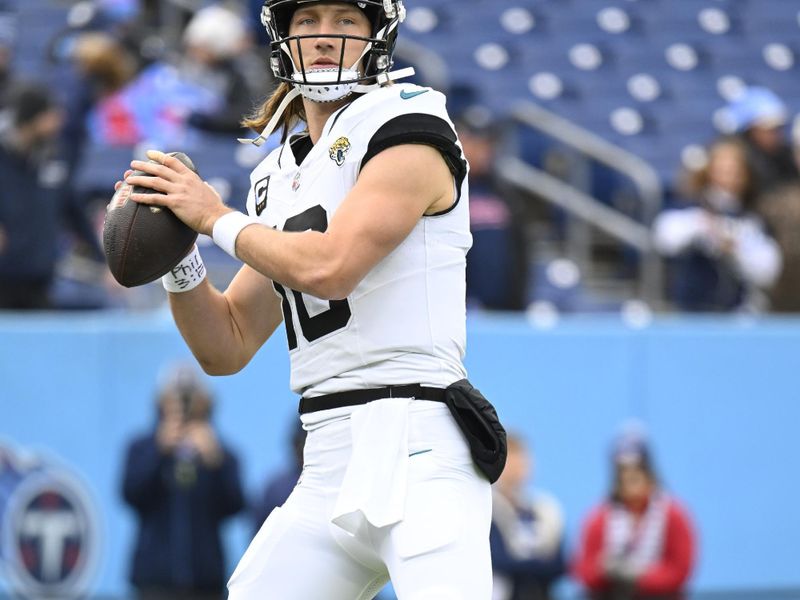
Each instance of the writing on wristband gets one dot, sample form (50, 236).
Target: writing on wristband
(186, 275)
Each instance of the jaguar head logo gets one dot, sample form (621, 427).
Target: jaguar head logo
(338, 150)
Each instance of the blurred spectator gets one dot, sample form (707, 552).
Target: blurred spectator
(183, 483)
(254, 18)
(7, 33)
(123, 21)
(103, 66)
(215, 40)
(639, 544)
(208, 87)
(527, 532)
(34, 198)
(280, 485)
(723, 256)
(759, 118)
(497, 262)
(104, 62)
(780, 209)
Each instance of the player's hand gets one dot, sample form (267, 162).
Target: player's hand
(178, 188)
(119, 184)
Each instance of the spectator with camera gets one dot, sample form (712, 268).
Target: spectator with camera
(182, 482)
(722, 256)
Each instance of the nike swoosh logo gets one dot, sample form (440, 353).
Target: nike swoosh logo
(408, 95)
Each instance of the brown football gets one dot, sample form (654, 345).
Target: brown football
(143, 242)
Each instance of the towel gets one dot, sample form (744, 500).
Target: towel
(373, 490)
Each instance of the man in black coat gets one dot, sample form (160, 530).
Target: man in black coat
(183, 483)
(34, 198)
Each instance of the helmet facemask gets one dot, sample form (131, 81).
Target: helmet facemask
(371, 69)
(329, 85)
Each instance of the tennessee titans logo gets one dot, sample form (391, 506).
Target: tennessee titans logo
(338, 150)
(50, 545)
(261, 190)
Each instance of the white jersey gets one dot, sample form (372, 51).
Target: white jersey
(405, 321)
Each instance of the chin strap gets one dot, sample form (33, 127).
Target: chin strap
(381, 79)
(273, 122)
(384, 78)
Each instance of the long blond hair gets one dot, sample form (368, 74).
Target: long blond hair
(293, 114)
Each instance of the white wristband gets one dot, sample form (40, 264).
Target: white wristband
(227, 229)
(186, 275)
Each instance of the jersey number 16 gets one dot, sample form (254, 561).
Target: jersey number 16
(338, 314)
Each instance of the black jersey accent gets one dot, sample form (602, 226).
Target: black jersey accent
(421, 128)
(280, 155)
(301, 145)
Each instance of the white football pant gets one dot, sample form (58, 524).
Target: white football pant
(396, 473)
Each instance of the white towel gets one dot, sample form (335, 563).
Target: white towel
(374, 487)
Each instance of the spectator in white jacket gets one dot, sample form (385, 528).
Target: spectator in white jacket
(723, 257)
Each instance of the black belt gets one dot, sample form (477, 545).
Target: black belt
(354, 397)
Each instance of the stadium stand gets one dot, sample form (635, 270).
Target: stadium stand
(650, 77)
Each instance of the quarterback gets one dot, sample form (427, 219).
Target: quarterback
(355, 237)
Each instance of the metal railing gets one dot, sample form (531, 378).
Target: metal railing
(428, 65)
(579, 204)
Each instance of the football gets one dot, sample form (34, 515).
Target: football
(141, 242)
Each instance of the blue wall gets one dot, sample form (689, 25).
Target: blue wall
(719, 398)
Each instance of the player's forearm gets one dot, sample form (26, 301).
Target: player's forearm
(206, 322)
(306, 261)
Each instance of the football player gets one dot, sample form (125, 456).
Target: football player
(355, 237)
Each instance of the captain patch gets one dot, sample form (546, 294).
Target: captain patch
(261, 189)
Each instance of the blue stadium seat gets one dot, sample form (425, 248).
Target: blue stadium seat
(567, 19)
(739, 57)
(101, 166)
(769, 11)
(599, 86)
(37, 23)
(483, 22)
(730, 42)
(530, 145)
(785, 85)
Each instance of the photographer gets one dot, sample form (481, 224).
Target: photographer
(183, 483)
